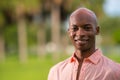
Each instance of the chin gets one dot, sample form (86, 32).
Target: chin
(82, 48)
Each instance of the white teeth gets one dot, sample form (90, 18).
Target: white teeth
(82, 39)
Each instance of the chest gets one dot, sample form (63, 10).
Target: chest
(84, 71)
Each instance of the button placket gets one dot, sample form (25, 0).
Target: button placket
(75, 69)
(82, 73)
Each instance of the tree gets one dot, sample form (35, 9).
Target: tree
(2, 40)
(22, 36)
(55, 22)
(22, 7)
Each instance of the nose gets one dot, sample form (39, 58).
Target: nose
(80, 32)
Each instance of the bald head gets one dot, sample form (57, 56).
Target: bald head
(86, 13)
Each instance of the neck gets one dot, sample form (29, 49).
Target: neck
(81, 54)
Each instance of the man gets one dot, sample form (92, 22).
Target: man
(87, 62)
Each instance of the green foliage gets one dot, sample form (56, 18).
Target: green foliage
(28, 4)
(110, 27)
(5, 4)
(11, 38)
(2, 21)
(109, 24)
(116, 36)
(48, 34)
(31, 34)
(114, 57)
(11, 34)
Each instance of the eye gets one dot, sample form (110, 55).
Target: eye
(74, 28)
(87, 27)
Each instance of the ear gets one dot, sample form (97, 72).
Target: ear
(68, 31)
(97, 30)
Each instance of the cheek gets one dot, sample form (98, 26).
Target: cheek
(72, 34)
(92, 38)
(91, 34)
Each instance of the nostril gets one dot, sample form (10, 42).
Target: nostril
(80, 33)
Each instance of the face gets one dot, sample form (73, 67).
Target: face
(82, 31)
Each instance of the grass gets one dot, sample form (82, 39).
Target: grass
(34, 69)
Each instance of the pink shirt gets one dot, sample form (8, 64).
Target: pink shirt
(95, 67)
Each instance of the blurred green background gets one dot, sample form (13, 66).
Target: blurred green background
(33, 34)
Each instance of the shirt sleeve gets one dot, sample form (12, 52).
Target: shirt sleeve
(52, 75)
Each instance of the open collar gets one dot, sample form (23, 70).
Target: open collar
(94, 58)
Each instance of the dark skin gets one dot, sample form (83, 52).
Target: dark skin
(82, 30)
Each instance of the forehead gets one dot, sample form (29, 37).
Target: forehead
(81, 19)
(83, 16)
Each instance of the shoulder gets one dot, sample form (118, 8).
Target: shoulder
(60, 65)
(109, 62)
(56, 69)
(111, 65)
(109, 68)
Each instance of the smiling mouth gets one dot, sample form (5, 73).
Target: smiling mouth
(81, 41)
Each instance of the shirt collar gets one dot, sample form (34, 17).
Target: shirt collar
(94, 58)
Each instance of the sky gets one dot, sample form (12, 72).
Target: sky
(112, 7)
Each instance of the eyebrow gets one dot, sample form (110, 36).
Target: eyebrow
(81, 25)
(74, 25)
(87, 24)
